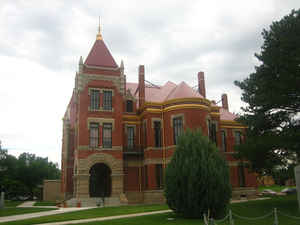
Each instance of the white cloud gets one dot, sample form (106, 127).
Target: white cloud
(41, 44)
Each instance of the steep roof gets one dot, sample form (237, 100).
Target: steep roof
(166, 92)
(172, 91)
(226, 115)
(183, 91)
(100, 56)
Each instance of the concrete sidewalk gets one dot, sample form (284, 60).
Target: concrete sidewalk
(39, 214)
(27, 204)
(107, 218)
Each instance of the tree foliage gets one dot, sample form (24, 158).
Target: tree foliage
(21, 176)
(272, 94)
(197, 178)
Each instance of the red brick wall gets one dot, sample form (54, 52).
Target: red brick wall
(131, 179)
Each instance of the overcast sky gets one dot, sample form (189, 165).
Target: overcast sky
(41, 43)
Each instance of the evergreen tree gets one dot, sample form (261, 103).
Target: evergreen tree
(197, 178)
(272, 94)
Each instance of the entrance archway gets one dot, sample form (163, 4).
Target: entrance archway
(100, 180)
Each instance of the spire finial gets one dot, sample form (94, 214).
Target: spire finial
(99, 36)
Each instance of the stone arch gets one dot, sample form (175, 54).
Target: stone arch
(100, 180)
(114, 164)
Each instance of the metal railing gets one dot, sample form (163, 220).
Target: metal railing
(229, 218)
(133, 150)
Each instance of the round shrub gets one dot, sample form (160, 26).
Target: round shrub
(197, 178)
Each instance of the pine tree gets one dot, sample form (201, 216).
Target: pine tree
(197, 178)
(272, 94)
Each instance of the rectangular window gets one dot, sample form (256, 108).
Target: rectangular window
(238, 137)
(241, 175)
(223, 136)
(107, 100)
(130, 137)
(145, 133)
(107, 135)
(129, 106)
(146, 177)
(94, 135)
(159, 176)
(212, 131)
(177, 128)
(95, 99)
(157, 133)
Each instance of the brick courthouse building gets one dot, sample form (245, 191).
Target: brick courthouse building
(119, 136)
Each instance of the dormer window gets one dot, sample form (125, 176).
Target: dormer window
(107, 100)
(129, 106)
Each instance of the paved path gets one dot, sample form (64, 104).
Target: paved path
(27, 204)
(39, 214)
(107, 218)
(63, 210)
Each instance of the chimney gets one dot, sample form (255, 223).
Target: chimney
(141, 85)
(201, 84)
(225, 101)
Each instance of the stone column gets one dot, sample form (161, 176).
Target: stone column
(297, 177)
(82, 186)
(116, 184)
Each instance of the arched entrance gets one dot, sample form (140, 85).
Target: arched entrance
(100, 180)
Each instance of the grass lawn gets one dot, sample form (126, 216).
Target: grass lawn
(276, 188)
(45, 203)
(90, 213)
(10, 211)
(285, 204)
(9, 203)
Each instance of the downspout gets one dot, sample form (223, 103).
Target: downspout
(163, 137)
(140, 159)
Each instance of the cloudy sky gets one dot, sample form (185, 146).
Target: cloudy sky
(41, 42)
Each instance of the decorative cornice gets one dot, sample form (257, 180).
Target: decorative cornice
(131, 117)
(179, 100)
(87, 148)
(231, 124)
(185, 106)
(102, 67)
(131, 122)
(82, 79)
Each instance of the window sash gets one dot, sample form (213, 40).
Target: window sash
(95, 99)
(130, 137)
(107, 135)
(238, 137)
(212, 131)
(223, 135)
(177, 127)
(146, 176)
(241, 174)
(159, 176)
(94, 135)
(157, 133)
(145, 133)
(107, 100)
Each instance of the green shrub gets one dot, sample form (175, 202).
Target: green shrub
(197, 178)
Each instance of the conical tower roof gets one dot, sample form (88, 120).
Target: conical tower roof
(100, 55)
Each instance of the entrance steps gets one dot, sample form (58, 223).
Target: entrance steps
(94, 202)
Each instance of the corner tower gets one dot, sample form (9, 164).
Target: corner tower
(94, 110)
